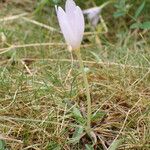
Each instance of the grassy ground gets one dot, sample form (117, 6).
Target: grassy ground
(39, 85)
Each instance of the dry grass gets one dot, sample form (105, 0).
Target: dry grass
(39, 86)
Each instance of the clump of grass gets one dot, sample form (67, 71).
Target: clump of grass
(41, 92)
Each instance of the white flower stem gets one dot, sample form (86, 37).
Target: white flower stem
(89, 111)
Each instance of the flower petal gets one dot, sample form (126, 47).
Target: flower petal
(94, 21)
(93, 15)
(94, 10)
(80, 24)
(64, 25)
(70, 7)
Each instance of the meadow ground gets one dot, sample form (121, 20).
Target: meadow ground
(41, 90)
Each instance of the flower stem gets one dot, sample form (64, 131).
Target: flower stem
(89, 111)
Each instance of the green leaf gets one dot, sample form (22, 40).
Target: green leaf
(2, 145)
(89, 147)
(135, 25)
(78, 132)
(53, 146)
(77, 135)
(122, 8)
(77, 115)
(118, 14)
(139, 10)
(76, 112)
(145, 25)
(115, 144)
(98, 115)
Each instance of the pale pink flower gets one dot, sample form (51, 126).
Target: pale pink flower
(72, 24)
(93, 15)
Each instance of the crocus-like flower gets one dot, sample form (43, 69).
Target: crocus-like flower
(71, 22)
(93, 15)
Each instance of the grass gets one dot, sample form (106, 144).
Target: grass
(39, 87)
